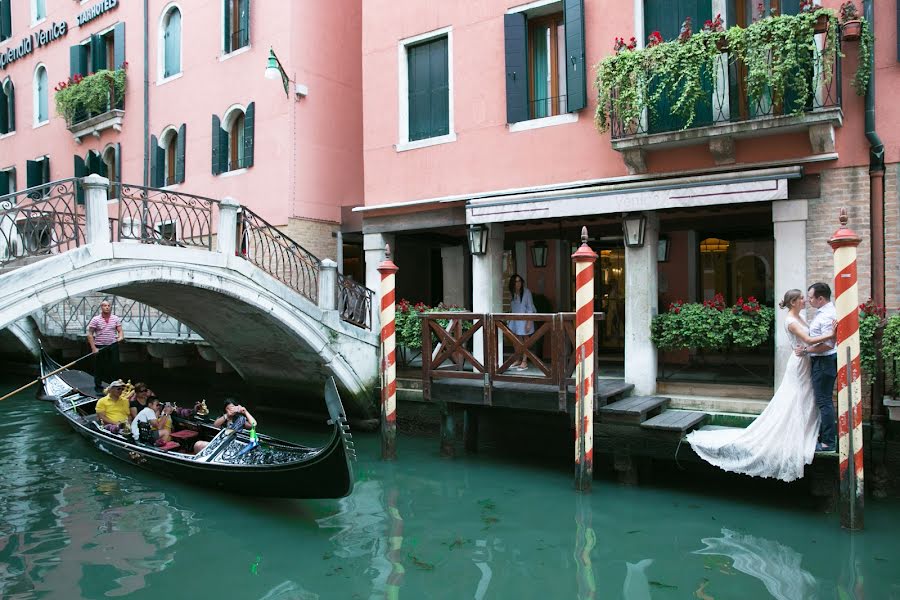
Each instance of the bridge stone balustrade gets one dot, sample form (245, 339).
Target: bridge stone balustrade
(249, 295)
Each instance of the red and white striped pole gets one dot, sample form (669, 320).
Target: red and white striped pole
(388, 269)
(584, 259)
(850, 437)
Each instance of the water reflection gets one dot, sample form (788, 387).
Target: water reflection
(777, 566)
(636, 586)
(585, 540)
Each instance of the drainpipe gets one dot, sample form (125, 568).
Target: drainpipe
(146, 144)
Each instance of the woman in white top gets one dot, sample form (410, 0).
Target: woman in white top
(150, 414)
(782, 440)
(521, 302)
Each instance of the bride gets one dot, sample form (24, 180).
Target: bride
(783, 438)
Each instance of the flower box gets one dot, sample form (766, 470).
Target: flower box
(851, 30)
(821, 25)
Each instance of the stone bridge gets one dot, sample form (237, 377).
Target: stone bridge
(280, 316)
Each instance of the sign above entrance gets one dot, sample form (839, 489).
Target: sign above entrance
(37, 39)
(95, 11)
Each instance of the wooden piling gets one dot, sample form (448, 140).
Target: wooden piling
(584, 259)
(388, 269)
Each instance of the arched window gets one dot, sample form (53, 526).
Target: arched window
(41, 104)
(233, 139)
(170, 152)
(112, 169)
(171, 42)
(7, 107)
(236, 141)
(167, 157)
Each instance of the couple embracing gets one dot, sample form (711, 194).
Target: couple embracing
(799, 419)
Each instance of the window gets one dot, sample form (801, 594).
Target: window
(37, 172)
(545, 68)
(232, 139)
(8, 181)
(167, 157)
(112, 169)
(104, 50)
(5, 19)
(429, 89)
(170, 46)
(237, 25)
(41, 106)
(38, 11)
(7, 108)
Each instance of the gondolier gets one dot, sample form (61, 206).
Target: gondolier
(104, 333)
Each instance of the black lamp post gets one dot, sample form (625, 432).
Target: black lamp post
(478, 239)
(539, 254)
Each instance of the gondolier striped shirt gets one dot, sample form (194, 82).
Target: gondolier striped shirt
(104, 330)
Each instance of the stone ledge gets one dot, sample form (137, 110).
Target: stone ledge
(109, 120)
(819, 124)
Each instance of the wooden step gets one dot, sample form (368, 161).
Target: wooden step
(676, 421)
(609, 389)
(634, 410)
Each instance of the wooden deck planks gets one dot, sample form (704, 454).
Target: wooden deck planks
(676, 421)
(633, 410)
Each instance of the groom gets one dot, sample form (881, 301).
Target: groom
(824, 362)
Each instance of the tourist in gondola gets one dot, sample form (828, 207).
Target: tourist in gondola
(113, 409)
(236, 417)
(157, 418)
(137, 400)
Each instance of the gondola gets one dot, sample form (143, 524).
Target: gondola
(273, 468)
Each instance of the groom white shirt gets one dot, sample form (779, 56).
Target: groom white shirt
(822, 324)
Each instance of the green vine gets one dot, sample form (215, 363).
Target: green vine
(863, 73)
(91, 94)
(778, 52)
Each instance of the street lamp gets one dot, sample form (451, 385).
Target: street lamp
(274, 70)
(478, 239)
(539, 254)
(633, 225)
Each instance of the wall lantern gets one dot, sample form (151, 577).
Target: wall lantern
(478, 239)
(633, 225)
(274, 70)
(662, 250)
(539, 254)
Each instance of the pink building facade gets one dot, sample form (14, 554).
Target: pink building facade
(481, 114)
(197, 115)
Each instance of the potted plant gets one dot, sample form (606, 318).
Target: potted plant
(851, 23)
(821, 23)
(717, 25)
(81, 97)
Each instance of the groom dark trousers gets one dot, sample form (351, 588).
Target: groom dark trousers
(824, 372)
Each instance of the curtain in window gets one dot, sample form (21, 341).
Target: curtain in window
(541, 66)
(41, 91)
(173, 44)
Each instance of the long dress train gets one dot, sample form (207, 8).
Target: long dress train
(782, 440)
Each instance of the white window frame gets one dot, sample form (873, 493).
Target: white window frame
(35, 20)
(161, 43)
(3, 83)
(110, 177)
(403, 143)
(35, 99)
(226, 55)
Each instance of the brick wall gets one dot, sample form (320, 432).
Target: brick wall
(315, 236)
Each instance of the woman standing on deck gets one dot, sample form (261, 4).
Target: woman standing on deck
(520, 302)
(782, 440)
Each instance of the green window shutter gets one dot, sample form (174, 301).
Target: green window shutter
(576, 71)
(11, 105)
(173, 44)
(226, 33)
(216, 134)
(790, 7)
(98, 53)
(94, 164)
(224, 153)
(154, 158)
(118, 46)
(32, 173)
(244, 15)
(516, 50)
(5, 19)
(4, 183)
(160, 166)
(78, 60)
(429, 90)
(179, 154)
(249, 120)
(4, 114)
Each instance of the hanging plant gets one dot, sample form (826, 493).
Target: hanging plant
(90, 95)
(779, 53)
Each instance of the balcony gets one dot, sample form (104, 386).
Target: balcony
(810, 101)
(93, 104)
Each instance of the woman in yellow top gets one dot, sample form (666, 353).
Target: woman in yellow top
(113, 409)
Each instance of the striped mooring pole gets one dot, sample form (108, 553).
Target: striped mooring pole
(584, 259)
(850, 437)
(388, 269)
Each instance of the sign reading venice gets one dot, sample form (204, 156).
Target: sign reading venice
(35, 40)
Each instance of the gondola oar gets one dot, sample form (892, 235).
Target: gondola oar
(43, 377)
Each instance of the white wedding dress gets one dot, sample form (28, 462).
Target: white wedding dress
(782, 440)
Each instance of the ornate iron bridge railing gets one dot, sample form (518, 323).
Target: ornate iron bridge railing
(729, 101)
(354, 302)
(71, 316)
(156, 216)
(271, 250)
(40, 221)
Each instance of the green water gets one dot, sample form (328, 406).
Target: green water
(77, 524)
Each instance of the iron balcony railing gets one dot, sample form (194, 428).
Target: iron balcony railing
(729, 101)
(354, 302)
(40, 221)
(165, 217)
(82, 114)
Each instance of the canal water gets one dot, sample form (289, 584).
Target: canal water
(77, 524)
